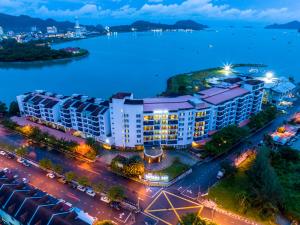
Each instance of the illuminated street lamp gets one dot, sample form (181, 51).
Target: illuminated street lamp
(227, 69)
(269, 75)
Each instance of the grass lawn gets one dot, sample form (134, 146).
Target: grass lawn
(174, 170)
(189, 83)
(226, 192)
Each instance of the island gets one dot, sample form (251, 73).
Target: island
(12, 51)
(293, 25)
(143, 26)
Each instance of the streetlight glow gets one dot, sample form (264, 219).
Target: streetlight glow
(269, 75)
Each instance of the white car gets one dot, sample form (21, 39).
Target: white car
(105, 199)
(20, 160)
(50, 175)
(81, 188)
(25, 180)
(90, 192)
(5, 170)
(2, 153)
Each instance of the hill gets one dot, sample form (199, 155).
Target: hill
(142, 25)
(24, 23)
(290, 25)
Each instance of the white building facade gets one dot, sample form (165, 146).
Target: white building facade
(127, 123)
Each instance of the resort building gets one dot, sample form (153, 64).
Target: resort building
(126, 122)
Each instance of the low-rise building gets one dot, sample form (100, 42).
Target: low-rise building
(21, 203)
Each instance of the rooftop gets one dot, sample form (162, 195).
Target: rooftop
(217, 96)
(170, 104)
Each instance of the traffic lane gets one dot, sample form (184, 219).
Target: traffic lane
(96, 172)
(37, 178)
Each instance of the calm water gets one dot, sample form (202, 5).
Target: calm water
(141, 63)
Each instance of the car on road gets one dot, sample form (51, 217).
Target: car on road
(62, 180)
(25, 180)
(2, 153)
(5, 170)
(115, 205)
(15, 176)
(220, 174)
(20, 160)
(105, 199)
(81, 188)
(90, 192)
(9, 156)
(50, 175)
(25, 163)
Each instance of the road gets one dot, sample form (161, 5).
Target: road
(161, 206)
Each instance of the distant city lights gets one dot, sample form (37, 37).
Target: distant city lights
(227, 69)
(269, 75)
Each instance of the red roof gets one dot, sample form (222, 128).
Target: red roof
(216, 95)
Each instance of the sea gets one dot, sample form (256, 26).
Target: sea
(141, 63)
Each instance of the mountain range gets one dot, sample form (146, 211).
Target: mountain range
(24, 23)
(290, 25)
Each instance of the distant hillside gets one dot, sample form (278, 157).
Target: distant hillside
(24, 23)
(291, 25)
(147, 26)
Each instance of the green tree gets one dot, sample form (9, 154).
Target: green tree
(116, 193)
(84, 181)
(14, 109)
(58, 168)
(134, 166)
(22, 152)
(266, 193)
(3, 109)
(46, 163)
(193, 219)
(70, 176)
(99, 187)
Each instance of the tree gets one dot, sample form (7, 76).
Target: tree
(58, 168)
(134, 166)
(3, 109)
(14, 109)
(193, 219)
(70, 176)
(104, 222)
(229, 168)
(22, 152)
(116, 193)
(84, 181)
(99, 187)
(266, 193)
(46, 163)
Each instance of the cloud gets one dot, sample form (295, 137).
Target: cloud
(213, 9)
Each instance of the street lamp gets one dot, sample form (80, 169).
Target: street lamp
(269, 75)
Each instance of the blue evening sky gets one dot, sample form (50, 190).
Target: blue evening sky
(125, 11)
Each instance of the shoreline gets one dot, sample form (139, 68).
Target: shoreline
(11, 64)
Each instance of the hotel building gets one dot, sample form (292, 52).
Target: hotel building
(126, 122)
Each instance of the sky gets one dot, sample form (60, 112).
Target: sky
(107, 12)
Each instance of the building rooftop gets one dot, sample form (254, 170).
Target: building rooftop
(121, 95)
(170, 104)
(217, 96)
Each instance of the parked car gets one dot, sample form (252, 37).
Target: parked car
(5, 170)
(2, 153)
(73, 185)
(62, 180)
(20, 160)
(105, 199)
(50, 175)
(90, 192)
(25, 163)
(81, 188)
(115, 205)
(15, 176)
(9, 156)
(25, 180)
(220, 174)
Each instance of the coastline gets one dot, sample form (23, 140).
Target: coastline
(11, 64)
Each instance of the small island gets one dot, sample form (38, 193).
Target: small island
(12, 51)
